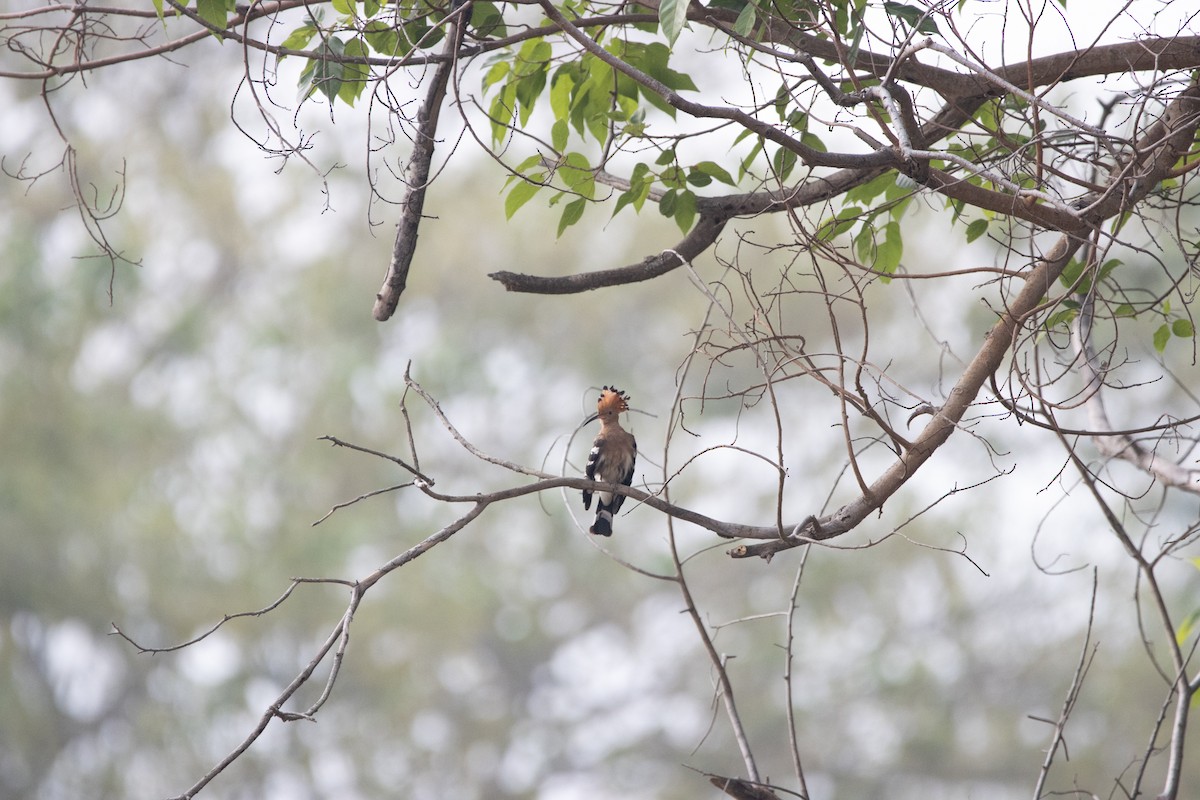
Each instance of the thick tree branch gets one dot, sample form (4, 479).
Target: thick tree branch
(1156, 151)
(416, 176)
(699, 239)
(967, 92)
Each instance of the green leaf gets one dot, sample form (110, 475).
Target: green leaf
(1182, 328)
(714, 170)
(896, 209)
(577, 174)
(215, 12)
(640, 183)
(591, 101)
(625, 199)
(560, 93)
(685, 210)
(532, 57)
(1108, 266)
(487, 20)
(571, 214)
(657, 55)
(1161, 337)
(634, 130)
(324, 73)
(383, 38)
(744, 167)
(529, 89)
(1062, 317)
(889, 253)
(523, 168)
(637, 123)
(842, 222)
(652, 59)
(419, 34)
(813, 141)
(501, 112)
(343, 7)
(783, 162)
(299, 39)
(560, 133)
(796, 120)
(1187, 626)
(495, 74)
(625, 108)
(864, 245)
(673, 177)
(976, 229)
(521, 194)
(415, 32)
(666, 206)
(1071, 274)
(328, 77)
(855, 23)
(354, 76)
(914, 16)
(871, 189)
(744, 23)
(672, 16)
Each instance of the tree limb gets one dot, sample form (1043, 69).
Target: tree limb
(416, 175)
(966, 93)
(1155, 153)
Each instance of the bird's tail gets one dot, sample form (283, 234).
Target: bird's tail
(603, 524)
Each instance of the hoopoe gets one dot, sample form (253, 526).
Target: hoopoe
(614, 453)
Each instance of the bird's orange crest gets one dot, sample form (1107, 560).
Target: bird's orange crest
(612, 399)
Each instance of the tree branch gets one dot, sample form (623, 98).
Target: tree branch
(967, 93)
(416, 175)
(700, 238)
(1155, 153)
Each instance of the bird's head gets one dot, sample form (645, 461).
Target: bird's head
(612, 402)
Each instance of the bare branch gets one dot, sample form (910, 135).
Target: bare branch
(1087, 654)
(337, 641)
(418, 173)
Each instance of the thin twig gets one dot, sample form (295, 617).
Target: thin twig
(1087, 654)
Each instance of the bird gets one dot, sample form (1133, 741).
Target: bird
(613, 455)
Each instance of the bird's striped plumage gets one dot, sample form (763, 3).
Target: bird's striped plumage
(611, 460)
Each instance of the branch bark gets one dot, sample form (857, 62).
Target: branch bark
(965, 93)
(416, 176)
(1154, 154)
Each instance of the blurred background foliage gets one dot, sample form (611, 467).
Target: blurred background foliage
(162, 468)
